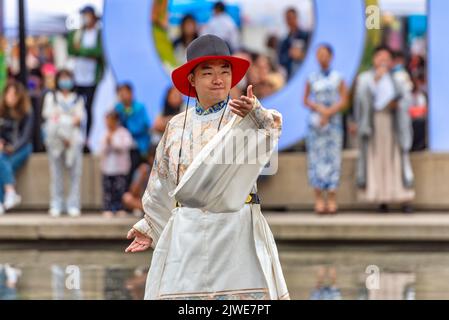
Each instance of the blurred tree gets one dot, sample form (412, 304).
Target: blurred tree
(3, 63)
(162, 41)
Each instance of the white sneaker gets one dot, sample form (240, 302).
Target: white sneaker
(2, 210)
(74, 212)
(54, 212)
(12, 199)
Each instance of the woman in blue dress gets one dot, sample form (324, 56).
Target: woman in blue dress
(325, 95)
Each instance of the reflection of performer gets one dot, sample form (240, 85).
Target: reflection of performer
(202, 254)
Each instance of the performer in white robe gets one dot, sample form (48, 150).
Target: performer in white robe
(203, 218)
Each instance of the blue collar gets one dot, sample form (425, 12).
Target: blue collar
(215, 108)
(326, 72)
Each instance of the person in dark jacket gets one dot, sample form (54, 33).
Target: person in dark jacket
(293, 47)
(16, 127)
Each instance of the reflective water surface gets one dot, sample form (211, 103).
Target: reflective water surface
(312, 271)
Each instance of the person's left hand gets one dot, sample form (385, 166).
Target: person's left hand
(393, 105)
(296, 54)
(324, 120)
(244, 104)
(66, 143)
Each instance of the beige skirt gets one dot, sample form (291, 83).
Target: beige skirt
(384, 173)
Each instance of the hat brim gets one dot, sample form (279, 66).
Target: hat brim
(180, 75)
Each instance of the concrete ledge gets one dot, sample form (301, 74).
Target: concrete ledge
(288, 189)
(33, 183)
(360, 227)
(286, 227)
(44, 227)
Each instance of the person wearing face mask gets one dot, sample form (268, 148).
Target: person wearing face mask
(64, 116)
(16, 127)
(86, 47)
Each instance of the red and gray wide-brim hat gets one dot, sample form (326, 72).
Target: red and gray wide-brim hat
(207, 47)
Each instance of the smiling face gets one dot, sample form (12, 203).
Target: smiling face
(212, 81)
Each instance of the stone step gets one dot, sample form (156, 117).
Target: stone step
(428, 226)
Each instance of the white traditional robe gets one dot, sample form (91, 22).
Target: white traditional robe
(214, 246)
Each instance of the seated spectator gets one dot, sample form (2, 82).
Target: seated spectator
(132, 199)
(189, 32)
(265, 77)
(115, 165)
(240, 88)
(63, 114)
(173, 105)
(271, 84)
(16, 127)
(272, 45)
(134, 117)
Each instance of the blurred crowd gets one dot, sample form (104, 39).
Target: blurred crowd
(52, 112)
(270, 69)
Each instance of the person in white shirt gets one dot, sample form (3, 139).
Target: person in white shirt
(63, 113)
(222, 25)
(85, 46)
(115, 164)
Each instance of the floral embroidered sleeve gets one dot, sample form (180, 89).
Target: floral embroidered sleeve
(156, 202)
(270, 120)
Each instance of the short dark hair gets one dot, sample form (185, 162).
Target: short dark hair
(328, 47)
(291, 10)
(113, 114)
(219, 6)
(125, 85)
(88, 9)
(187, 17)
(384, 48)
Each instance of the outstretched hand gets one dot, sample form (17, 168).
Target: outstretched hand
(140, 243)
(244, 104)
